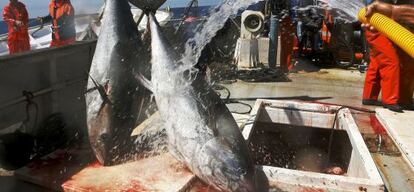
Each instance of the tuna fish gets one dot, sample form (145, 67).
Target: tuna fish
(201, 131)
(113, 93)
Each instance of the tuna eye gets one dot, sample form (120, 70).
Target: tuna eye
(104, 137)
(190, 74)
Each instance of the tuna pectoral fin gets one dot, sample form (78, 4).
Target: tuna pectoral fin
(103, 90)
(144, 81)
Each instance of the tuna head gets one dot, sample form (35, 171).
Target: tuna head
(113, 93)
(225, 158)
(148, 5)
(223, 168)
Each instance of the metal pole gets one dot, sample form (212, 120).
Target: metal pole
(273, 40)
(140, 18)
(187, 12)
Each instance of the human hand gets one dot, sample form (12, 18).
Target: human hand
(368, 27)
(379, 7)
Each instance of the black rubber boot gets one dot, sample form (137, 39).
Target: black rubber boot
(371, 102)
(396, 108)
(408, 107)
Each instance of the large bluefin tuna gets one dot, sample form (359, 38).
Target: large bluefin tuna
(201, 131)
(113, 93)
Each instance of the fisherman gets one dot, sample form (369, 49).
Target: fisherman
(387, 59)
(283, 9)
(62, 16)
(403, 12)
(17, 19)
(312, 22)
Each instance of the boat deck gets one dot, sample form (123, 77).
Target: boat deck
(335, 86)
(400, 126)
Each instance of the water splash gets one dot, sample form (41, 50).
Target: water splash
(184, 72)
(169, 67)
(205, 32)
(340, 9)
(186, 111)
(171, 89)
(349, 7)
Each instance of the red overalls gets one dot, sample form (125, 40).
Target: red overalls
(384, 70)
(18, 36)
(63, 26)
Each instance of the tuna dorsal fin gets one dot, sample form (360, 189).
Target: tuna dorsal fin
(144, 81)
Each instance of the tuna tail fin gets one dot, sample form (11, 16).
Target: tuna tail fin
(144, 81)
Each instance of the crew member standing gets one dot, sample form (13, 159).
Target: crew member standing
(62, 16)
(404, 14)
(17, 19)
(383, 72)
(286, 29)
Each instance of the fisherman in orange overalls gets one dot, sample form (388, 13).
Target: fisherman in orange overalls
(17, 19)
(383, 73)
(398, 85)
(62, 16)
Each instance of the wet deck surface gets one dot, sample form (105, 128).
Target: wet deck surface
(399, 169)
(311, 84)
(71, 171)
(160, 173)
(400, 127)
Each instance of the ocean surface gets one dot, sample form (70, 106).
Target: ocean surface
(177, 13)
(39, 8)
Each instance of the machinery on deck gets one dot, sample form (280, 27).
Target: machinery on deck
(325, 38)
(321, 36)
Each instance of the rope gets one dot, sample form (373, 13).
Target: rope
(228, 101)
(332, 133)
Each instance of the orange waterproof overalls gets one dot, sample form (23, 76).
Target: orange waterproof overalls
(62, 16)
(18, 36)
(383, 71)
